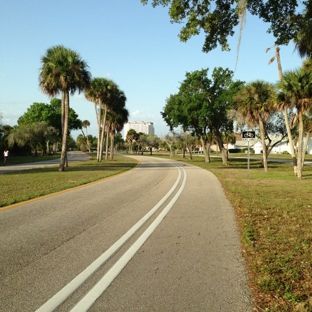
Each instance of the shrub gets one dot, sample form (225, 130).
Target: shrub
(234, 150)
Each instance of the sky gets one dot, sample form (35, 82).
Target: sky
(134, 45)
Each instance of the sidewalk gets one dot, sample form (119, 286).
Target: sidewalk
(72, 157)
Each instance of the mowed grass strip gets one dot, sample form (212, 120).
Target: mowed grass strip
(274, 214)
(24, 185)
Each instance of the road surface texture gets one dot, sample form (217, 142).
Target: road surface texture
(161, 237)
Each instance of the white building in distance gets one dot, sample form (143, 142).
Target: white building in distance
(144, 127)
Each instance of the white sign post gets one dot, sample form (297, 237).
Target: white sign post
(248, 135)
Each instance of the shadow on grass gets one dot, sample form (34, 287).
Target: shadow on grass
(80, 168)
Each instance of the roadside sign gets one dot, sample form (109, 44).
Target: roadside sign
(248, 134)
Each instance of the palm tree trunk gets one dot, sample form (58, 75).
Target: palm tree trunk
(88, 145)
(106, 145)
(305, 146)
(65, 107)
(98, 119)
(112, 146)
(300, 140)
(102, 133)
(264, 149)
(291, 143)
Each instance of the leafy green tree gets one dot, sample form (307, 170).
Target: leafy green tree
(303, 40)
(152, 141)
(201, 106)
(51, 114)
(119, 142)
(35, 135)
(170, 140)
(218, 18)
(63, 71)
(296, 93)
(274, 128)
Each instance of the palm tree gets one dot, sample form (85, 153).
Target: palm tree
(255, 102)
(118, 116)
(116, 121)
(284, 108)
(63, 71)
(131, 136)
(296, 93)
(101, 93)
(85, 124)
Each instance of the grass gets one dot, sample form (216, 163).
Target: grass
(273, 209)
(24, 185)
(274, 214)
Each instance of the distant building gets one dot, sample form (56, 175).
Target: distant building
(144, 127)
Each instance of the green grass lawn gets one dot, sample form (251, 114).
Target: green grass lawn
(28, 184)
(273, 209)
(274, 215)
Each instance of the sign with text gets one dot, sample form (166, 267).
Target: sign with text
(248, 134)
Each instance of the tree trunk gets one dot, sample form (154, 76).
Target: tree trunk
(291, 144)
(103, 131)
(48, 147)
(206, 148)
(300, 141)
(65, 129)
(305, 146)
(222, 150)
(112, 146)
(106, 145)
(264, 149)
(98, 119)
(190, 151)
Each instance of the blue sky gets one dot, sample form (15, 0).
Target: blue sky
(134, 45)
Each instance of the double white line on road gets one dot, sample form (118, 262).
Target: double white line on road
(87, 301)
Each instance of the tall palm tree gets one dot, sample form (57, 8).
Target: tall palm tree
(116, 109)
(255, 102)
(296, 92)
(85, 124)
(63, 71)
(284, 108)
(101, 93)
(117, 120)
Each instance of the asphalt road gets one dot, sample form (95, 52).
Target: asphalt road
(161, 237)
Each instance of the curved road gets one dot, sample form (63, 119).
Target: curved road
(161, 237)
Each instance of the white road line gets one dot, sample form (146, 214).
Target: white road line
(67, 290)
(87, 301)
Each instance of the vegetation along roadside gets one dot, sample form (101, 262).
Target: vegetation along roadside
(274, 214)
(43, 181)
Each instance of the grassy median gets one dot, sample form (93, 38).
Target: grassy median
(28, 184)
